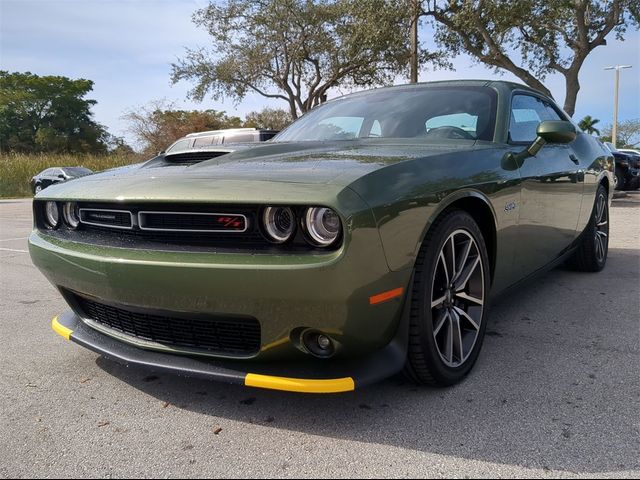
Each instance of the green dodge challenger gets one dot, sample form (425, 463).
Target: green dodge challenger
(366, 239)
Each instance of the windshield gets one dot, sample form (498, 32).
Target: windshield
(419, 112)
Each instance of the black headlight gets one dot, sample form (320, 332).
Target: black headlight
(52, 214)
(279, 223)
(323, 226)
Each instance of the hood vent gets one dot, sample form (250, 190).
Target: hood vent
(189, 158)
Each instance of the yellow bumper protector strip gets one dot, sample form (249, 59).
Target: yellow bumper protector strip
(300, 385)
(61, 329)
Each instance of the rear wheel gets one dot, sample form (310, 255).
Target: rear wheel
(449, 300)
(591, 255)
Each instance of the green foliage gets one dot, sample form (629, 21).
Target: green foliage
(628, 133)
(296, 50)
(16, 169)
(47, 114)
(268, 118)
(531, 38)
(157, 125)
(587, 124)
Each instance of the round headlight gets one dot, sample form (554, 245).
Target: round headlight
(279, 223)
(323, 225)
(70, 213)
(52, 214)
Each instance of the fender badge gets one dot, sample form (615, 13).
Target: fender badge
(510, 206)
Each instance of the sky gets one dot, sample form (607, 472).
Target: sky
(127, 46)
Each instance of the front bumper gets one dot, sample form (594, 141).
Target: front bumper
(332, 292)
(302, 377)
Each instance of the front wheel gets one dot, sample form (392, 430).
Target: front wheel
(448, 303)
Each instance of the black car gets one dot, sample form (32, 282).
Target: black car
(56, 175)
(627, 172)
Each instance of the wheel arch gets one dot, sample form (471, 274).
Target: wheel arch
(478, 206)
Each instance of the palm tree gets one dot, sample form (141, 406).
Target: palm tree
(587, 124)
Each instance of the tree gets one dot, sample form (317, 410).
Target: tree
(158, 124)
(587, 124)
(628, 133)
(268, 118)
(47, 114)
(532, 38)
(296, 50)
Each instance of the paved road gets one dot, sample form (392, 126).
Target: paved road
(556, 392)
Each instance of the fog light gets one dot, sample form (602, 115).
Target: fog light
(324, 342)
(318, 344)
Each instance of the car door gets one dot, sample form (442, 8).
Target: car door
(552, 187)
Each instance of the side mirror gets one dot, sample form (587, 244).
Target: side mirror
(61, 176)
(552, 131)
(549, 131)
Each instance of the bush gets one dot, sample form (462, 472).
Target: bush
(17, 169)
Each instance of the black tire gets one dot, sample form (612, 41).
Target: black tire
(591, 255)
(426, 364)
(619, 181)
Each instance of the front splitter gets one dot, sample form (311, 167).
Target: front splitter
(325, 376)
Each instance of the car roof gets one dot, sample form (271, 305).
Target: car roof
(497, 84)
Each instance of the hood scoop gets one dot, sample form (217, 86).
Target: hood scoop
(189, 158)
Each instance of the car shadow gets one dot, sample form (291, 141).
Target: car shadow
(556, 386)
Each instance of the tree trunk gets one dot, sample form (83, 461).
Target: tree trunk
(572, 86)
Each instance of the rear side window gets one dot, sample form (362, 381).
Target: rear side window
(240, 138)
(526, 113)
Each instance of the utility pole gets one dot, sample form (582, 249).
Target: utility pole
(614, 128)
(415, 15)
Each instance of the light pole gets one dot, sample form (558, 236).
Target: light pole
(614, 129)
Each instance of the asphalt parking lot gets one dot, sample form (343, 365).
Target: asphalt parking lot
(556, 392)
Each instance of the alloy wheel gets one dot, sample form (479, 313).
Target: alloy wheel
(602, 228)
(457, 298)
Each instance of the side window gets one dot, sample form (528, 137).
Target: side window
(181, 145)
(526, 113)
(202, 141)
(376, 129)
(240, 138)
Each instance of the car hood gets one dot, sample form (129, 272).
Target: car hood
(264, 168)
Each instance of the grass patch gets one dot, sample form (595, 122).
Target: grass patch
(16, 169)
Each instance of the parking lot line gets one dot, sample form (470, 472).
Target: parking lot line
(13, 250)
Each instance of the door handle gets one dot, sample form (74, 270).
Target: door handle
(574, 159)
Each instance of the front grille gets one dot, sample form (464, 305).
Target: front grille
(182, 227)
(192, 222)
(102, 217)
(239, 337)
